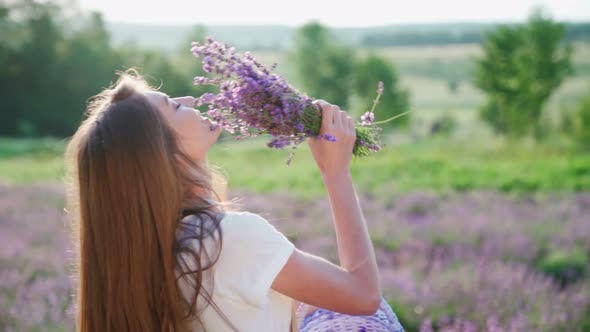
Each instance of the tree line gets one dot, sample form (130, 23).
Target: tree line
(51, 65)
(457, 35)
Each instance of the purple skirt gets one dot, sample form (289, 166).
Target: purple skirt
(384, 320)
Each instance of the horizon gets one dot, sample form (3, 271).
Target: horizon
(254, 25)
(182, 13)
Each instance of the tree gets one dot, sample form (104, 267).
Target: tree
(576, 122)
(87, 65)
(323, 67)
(520, 68)
(28, 74)
(51, 66)
(8, 71)
(394, 99)
(192, 66)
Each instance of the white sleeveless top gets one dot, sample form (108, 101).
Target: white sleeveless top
(252, 254)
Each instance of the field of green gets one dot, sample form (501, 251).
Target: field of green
(433, 164)
(470, 158)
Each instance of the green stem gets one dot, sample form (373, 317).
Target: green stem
(392, 118)
(375, 102)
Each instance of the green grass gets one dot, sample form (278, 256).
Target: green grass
(31, 160)
(456, 164)
(435, 164)
(31, 169)
(38, 147)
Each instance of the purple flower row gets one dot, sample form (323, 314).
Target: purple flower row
(448, 262)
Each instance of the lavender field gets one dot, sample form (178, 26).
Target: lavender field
(471, 261)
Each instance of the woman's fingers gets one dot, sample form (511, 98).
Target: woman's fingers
(327, 113)
(334, 118)
(351, 125)
(343, 120)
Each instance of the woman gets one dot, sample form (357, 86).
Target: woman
(160, 249)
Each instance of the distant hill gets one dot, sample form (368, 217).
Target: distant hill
(170, 38)
(276, 37)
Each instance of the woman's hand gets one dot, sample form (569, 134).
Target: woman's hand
(333, 158)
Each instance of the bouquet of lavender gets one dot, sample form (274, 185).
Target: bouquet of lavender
(254, 101)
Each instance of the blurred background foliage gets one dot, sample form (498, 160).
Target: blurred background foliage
(53, 61)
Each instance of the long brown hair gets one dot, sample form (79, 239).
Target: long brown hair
(130, 191)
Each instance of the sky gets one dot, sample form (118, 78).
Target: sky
(342, 13)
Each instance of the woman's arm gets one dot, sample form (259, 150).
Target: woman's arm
(353, 287)
(355, 248)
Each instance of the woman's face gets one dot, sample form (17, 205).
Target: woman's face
(193, 129)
